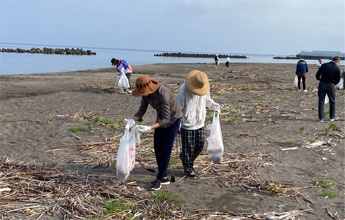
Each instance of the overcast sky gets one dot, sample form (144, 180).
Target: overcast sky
(229, 26)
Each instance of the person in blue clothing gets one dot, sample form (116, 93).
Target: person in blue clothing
(329, 76)
(301, 72)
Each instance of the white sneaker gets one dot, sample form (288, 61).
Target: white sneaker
(305, 90)
(335, 119)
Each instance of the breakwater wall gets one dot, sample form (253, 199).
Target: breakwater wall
(200, 55)
(62, 51)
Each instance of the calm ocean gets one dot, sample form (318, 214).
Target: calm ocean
(26, 63)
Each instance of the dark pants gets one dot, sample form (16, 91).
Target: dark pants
(299, 82)
(227, 64)
(163, 144)
(128, 75)
(192, 145)
(329, 89)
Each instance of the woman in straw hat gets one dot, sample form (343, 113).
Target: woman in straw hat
(167, 122)
(193, 97)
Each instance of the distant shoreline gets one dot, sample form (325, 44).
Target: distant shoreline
(305, 57)
(200, 55)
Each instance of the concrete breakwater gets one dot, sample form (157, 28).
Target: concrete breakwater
(62, 51)
(201, 55)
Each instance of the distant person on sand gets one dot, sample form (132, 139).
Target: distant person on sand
(193, 97)
(167, 122)
(328, 75)
(301, 72)
(320, 62)
(122, 67)
(227, 63)
(216, 60)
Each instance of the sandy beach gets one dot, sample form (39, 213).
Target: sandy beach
(275, 148)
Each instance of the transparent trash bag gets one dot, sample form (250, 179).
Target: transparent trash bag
(126, 154)
(340, 84)
(215, 145)
(326, 99)
(295, 82)
(122, 82)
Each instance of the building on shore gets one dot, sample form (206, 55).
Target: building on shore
(320, 54)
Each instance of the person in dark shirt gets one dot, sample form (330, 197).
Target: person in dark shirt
(167, 123)
(328, 75)
(301, 72)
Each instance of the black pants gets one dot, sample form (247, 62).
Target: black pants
(299, 82)
(192, 145)
(163, 143)
(329, 89)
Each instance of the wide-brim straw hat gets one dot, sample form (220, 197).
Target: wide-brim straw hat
(145, 86)
(197, 83)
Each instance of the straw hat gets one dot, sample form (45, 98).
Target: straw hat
(145, 86)
(197, 83)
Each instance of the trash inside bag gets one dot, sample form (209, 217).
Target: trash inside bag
(215, 145)
(340, 85)
(326, 99)
(122, 82)
(126, 154)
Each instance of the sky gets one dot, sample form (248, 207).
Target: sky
(279, 27)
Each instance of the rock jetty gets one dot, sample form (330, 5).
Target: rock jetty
(199, 55)
(63, 51)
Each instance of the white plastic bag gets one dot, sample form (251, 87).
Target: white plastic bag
(126, 154)
(326, 99)
(215, 145)
(340, 84)
(295, 82)
(122, 82)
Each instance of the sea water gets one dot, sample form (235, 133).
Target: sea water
(27, 63)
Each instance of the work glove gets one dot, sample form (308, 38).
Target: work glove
(215, 106)
(143, 128)
(130, 123)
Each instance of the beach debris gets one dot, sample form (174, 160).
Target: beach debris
(290, 148)
(6, 189)
(332, 214)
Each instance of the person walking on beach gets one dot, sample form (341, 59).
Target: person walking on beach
(301, 72)
(227, 63)
(166, 126)
(216, 60)
(320, 63)
(122, 68)
(328, 75)
(193, 97)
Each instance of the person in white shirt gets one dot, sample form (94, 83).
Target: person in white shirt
(227, 63)
(122, 68)
(193, 98)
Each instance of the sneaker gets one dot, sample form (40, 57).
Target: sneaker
(165, 181)
(321, 120)
(305, 90)
(190, 173)
(335, 119)
(155, 185)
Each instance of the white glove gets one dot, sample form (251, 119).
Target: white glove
(215, 106)
(130, 123)
(143, 128)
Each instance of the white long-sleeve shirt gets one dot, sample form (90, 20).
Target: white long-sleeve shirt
(121, 69)
(193, 108)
